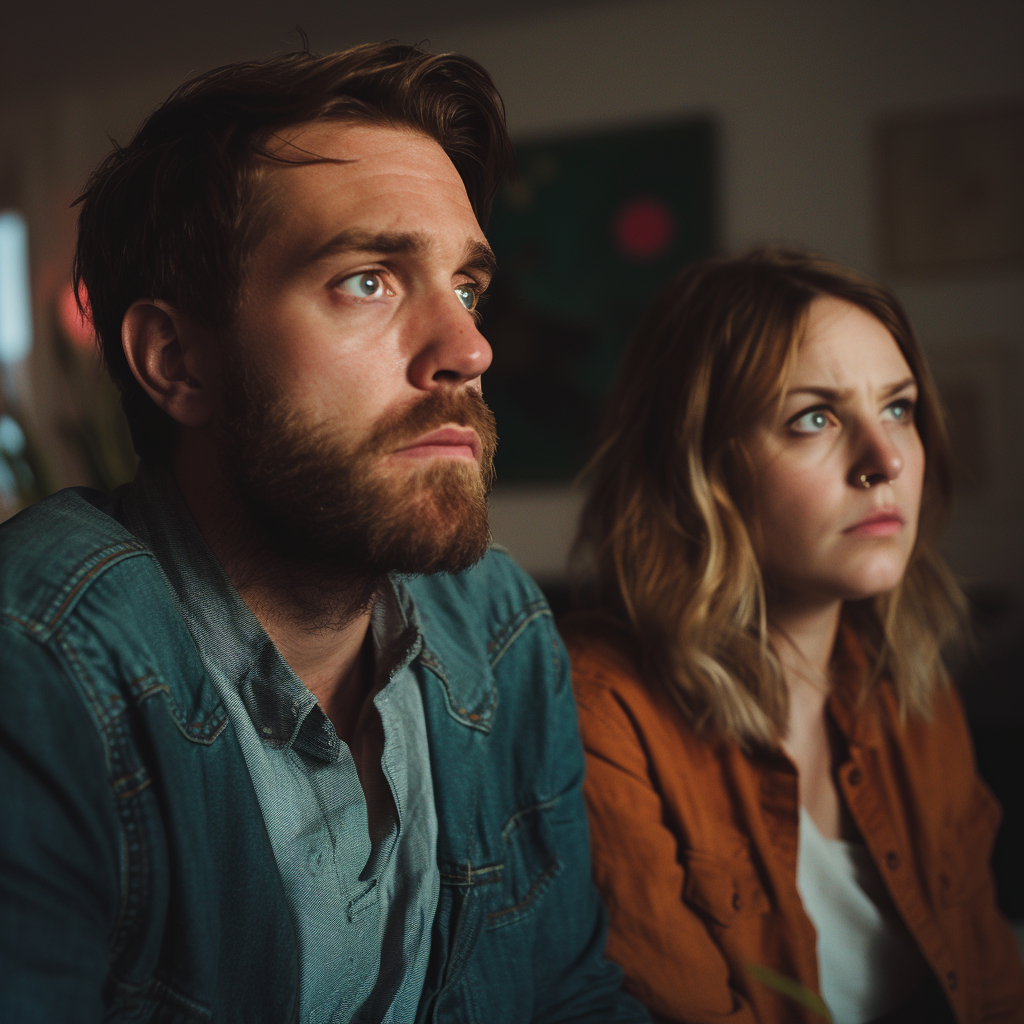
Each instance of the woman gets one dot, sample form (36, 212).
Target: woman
(781, 788)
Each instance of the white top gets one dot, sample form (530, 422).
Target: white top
(867, 962)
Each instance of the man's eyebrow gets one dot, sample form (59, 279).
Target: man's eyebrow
(841, 394)
(380, 243)
(480, 257)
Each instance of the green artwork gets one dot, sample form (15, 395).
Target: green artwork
(585, 239)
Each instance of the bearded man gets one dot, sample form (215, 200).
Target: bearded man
(281, 740)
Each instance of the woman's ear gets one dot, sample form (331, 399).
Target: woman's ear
(174, 359)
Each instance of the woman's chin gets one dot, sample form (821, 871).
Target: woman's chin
(874, 581)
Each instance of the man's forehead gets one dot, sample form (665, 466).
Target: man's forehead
(364, 179)
(357, 147)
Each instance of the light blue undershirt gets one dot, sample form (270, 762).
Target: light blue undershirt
(356, 848)
(868, 963)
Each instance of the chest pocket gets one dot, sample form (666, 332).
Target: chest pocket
(531, 864)
(724, 889)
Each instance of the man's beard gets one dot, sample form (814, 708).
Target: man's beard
(331, 514)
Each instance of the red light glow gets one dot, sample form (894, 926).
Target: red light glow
(644, 228)
(76, 326)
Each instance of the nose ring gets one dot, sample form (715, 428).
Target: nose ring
(864, 481)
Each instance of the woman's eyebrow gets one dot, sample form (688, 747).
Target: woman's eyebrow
(827, 394)
(842, 394)
(895, 389)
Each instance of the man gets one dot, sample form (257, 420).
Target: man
(280, 739)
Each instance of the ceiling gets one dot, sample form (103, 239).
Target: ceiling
(60, 46)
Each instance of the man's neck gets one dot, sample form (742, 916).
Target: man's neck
(319, 624)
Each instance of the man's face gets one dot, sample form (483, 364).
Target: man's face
(353, 424)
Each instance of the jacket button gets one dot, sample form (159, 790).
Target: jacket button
(951, 980)
(854, 777)
(892, 861)
(737, 902)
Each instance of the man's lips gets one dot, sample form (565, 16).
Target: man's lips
(448, 442)
(883, 523)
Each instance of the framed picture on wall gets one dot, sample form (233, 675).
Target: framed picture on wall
(979, 384)
(951, 189)
(593, 228)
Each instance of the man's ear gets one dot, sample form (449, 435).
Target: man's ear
(174, 359)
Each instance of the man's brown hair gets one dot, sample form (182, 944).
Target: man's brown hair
(175, 214)
(668, 525)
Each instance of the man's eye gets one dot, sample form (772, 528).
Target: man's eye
(362, 286)
(900, 411)
(467, 296)
(810, 422)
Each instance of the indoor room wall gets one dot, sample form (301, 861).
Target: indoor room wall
(796, 88)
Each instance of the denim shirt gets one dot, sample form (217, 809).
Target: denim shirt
(138, 881)
(356, 857)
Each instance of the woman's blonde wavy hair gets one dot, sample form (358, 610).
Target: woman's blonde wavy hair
(667, 531)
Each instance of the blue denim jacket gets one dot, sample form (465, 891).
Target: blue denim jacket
(137, 882)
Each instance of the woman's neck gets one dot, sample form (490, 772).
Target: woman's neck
(803, 639)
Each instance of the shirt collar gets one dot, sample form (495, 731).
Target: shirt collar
(234, 647)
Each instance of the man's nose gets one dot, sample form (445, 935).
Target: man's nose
(448, 348)
(878, 459)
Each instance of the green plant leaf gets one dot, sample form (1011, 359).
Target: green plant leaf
(790, 988)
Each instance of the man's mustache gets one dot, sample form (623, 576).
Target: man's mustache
(445, 405)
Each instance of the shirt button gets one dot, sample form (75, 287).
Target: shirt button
(266, 730)
(892, 860)
(854, 778)
(737, 902)
(951, 980)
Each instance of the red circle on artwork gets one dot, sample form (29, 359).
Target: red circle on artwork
(644, 228)
(77, 327)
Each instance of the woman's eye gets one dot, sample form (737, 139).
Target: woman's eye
(810, 422)
(467, 296)
(899, 411)
(363, 286)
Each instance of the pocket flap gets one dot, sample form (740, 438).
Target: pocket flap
(722, 888)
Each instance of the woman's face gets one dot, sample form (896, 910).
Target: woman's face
(838, 471)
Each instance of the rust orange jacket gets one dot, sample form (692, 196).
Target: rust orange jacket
(695, 848)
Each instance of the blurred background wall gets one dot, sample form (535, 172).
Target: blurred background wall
(811, 101)
(798, 90)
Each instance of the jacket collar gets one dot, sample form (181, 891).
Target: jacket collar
(455, 655)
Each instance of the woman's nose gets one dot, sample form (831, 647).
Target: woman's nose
(879, 460)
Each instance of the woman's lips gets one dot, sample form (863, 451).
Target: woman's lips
(448, 442)
(883, 523)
